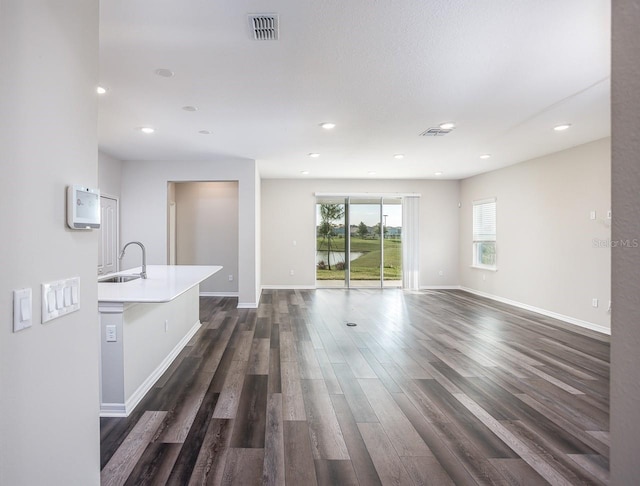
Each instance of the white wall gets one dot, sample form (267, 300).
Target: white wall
(625, 340)
(207, 230)
(288, 214)
(49, 425)
(109, 174)
(144, 211)
(546, 254)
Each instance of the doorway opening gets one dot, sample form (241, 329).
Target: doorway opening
(358, 242)
(202, 224)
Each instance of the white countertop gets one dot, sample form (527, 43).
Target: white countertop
(163, 283)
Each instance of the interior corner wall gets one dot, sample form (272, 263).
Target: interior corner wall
(144, 210)
(109, 175)
(288, 214)
(49, 395)
(625, 338)
(550, 254)
(207, 231)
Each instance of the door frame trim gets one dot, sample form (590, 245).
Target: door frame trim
(117, 200)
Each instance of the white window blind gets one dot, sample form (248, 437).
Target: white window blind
(411, 243)
(484, 220)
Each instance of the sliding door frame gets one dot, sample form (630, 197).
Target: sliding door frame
(347, 222)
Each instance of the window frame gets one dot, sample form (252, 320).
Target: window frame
(477, 241)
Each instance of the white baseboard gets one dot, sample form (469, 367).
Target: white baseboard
(440, 287)
(113, 410)
(218, 294)
(288, 287)
(124, 409)
(247, 305)
(251, 305)
(561, 317)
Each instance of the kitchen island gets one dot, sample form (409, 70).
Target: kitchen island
(144, 324)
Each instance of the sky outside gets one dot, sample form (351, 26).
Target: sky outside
(370, 214)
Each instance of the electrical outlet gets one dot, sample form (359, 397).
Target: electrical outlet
(111, 333)
(441, 273)
(594, 302)
(291, 272)
(592, 215)
(230, 278)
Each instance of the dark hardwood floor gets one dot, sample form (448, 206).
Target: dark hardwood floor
(430, 387)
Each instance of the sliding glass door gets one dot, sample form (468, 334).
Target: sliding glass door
(331, 242)
(358, 242)
(365, 243)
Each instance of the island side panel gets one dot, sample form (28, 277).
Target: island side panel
(111, 360)
(150, 345)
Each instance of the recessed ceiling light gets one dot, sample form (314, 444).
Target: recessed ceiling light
(328, 125)
(398, 156)
(101, 90)
(205, 132)
(447, 125)
(485, 156)
(314, 155)
(372, 172)
(304, 172)
(147, 130)
(437, 173)
(561, 128)
(190, 108)
(165, 73)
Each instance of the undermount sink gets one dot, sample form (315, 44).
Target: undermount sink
(119, 279)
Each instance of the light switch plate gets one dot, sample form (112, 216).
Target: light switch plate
(22, 309)
(60, 298)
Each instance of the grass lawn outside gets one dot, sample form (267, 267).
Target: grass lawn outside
(367, 266)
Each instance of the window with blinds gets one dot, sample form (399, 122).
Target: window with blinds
(484, 233)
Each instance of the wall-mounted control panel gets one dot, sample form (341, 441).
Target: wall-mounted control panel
(83, 208)
(60, 298)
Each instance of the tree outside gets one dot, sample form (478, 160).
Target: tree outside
(329, 215)
(376, 230)
(363, 230)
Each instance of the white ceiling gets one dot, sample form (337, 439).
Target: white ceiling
(504, 71)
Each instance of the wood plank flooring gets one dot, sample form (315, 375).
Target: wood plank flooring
(431, 387)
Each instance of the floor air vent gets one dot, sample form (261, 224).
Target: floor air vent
(264, 26)
(435, 132)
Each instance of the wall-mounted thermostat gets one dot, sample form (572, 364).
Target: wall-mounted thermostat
(83, 207)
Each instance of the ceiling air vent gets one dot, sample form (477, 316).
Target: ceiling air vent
(435, 132)
(264, 26)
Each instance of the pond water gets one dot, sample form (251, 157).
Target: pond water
(336, 256)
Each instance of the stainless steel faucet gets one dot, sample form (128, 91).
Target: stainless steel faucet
(143, 274)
